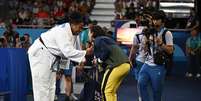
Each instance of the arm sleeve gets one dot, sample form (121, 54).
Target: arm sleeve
(135, 40)
(169, 38)
(188, 42)
(65, 41)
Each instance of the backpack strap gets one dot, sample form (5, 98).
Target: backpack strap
(138, 37)
(163, 36)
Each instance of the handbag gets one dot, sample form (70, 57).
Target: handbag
(159, 57)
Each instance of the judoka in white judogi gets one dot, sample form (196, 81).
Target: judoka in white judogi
(58, 41)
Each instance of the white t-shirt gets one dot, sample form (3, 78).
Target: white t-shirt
(138, 40)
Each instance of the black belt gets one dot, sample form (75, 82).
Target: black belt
(41, 40)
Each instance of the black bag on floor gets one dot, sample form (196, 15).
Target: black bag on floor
(91, 91)
(92, 88)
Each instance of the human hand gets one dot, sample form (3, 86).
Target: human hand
(159, 41)
(59, 75)
(192, 52)
(80, 68)
(89, 50)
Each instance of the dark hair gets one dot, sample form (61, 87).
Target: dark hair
(75, 17)
(26, 34)
(94, 22)
(16, 36)
(196, 28)
(157, 15)
(97, 31)
(192, 9)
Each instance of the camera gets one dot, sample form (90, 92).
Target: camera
(144, 22)
(133, 26)
(22, 38)
(149, 31)
(159, 57)
(1, 40)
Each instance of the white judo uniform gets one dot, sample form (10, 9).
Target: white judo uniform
(59, 40)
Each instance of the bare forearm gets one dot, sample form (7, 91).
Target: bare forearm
(132, 54)
(167, 48)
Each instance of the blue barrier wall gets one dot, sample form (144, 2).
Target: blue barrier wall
(180, 59)
(14, 67)
(180, 38)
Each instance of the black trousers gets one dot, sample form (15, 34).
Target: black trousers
(194, 64)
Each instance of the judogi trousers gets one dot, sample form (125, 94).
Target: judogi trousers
(43, 79)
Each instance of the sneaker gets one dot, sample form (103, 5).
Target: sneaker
(139, 99)
(198, 75)
(189, 74)
(55, 98)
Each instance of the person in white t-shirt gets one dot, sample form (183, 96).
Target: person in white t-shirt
(137, 53)
(153, 72)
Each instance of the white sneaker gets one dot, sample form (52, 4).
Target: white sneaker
(139, 99)
(55, 98)
(198, 75)
(189, 74)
